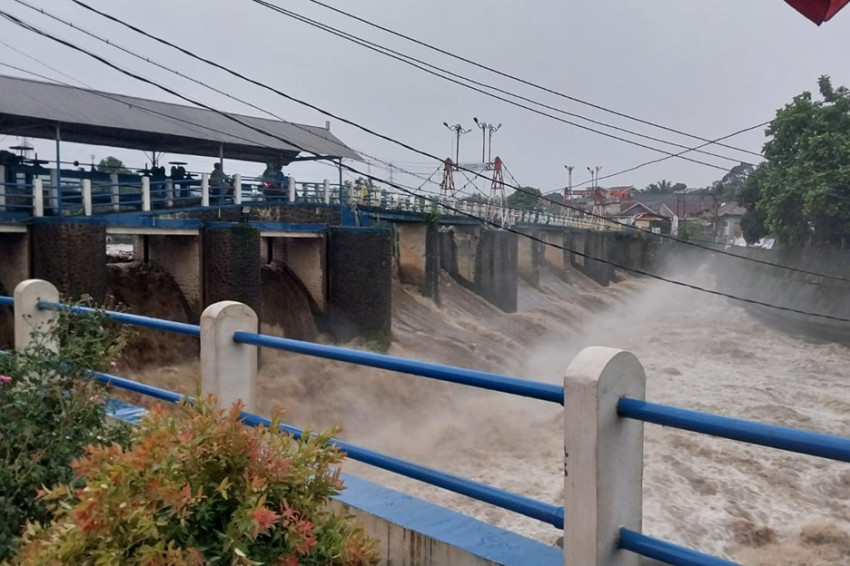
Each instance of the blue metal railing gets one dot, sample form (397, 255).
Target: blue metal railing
(803, 442)
(474, 378)
(772, 436)
(666, 552)
(521, 504)
(547, 512)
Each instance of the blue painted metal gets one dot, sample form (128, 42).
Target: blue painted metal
(492, 545)
(667, 552)
(125, 411)
(7, 301)
(475, 378)
(546, 512)
(793, 440)
(133, 319)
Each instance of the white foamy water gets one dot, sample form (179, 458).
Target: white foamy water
(758, 506)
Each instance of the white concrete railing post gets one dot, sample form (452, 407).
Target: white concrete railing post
(291, 195)
(87, 197)
(116, 192)
(228, 369)
(53, 192)
(205, 189)
(31, 320)
(326, 187)
(169, 193)
(237, 188)
(603, 457)
(146, 194)
(37, 198)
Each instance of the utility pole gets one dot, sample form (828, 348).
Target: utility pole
(569, 192)
(594, 180)
(459, 131)
(485, 127)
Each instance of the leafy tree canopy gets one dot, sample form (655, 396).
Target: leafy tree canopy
(801, 194)
(112, 164)
(528, 197)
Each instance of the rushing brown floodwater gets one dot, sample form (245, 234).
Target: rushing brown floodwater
(758, 506)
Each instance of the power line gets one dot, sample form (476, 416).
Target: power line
(369, 131)
(418, 63)
(33, 29)
(527, 82)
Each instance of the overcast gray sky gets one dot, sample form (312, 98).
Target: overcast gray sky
(708, 68)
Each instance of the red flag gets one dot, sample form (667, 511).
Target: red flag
(819, 11)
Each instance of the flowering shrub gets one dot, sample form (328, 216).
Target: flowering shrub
(198, 487)
(49, 411)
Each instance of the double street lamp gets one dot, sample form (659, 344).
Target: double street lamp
(485, 127)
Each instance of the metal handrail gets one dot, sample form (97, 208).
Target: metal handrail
(474, 378)
(667, 552)
(521, 504)
(772, 436)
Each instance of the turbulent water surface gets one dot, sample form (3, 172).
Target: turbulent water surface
(758, 506)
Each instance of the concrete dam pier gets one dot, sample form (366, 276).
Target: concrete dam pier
(344, 272)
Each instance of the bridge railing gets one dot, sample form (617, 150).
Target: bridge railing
(605, 411)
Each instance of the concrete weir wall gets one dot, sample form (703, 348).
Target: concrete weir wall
(359, 268)
(71, 254)
(530, 256)
(14, 259)
(231, 264)
(484, 261)
(180, 255)
(417, 255)
(306, 258)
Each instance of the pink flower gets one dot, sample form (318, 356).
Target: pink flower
(113, 364)
(4, 379)
(98, 400)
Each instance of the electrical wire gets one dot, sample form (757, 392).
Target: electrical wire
(367, 130)
(382, 136)
(433, 201)
(436, 70)
(530, 83)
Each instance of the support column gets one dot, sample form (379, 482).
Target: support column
(231, 264)
(530, 254)
(71, 254)
(31, 321)
(496, 268)
(603, 457)
(359, 265)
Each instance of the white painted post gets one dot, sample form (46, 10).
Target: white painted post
(228, 369)
(169, 193)
(29, 319)
(37, 198)
(237, 188)
(603, 457)
(53, 192)
(146, 194)
(87, 197)
(205, 189)
(116, 192)
(326, 186)
(291, 189)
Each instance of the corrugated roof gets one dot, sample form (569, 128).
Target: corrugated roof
(34, 108)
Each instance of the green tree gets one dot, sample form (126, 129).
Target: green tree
(527, 197)
(802, 193)
(112, 164)
(733, 183)
(661, 187)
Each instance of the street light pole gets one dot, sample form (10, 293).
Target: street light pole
(485, 127)
(459, 131)
(569, 183)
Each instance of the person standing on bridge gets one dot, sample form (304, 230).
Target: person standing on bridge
(219, 182)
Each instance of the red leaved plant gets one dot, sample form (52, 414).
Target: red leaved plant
(197, 487)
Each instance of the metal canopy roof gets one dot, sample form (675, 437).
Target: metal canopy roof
(34, 109)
